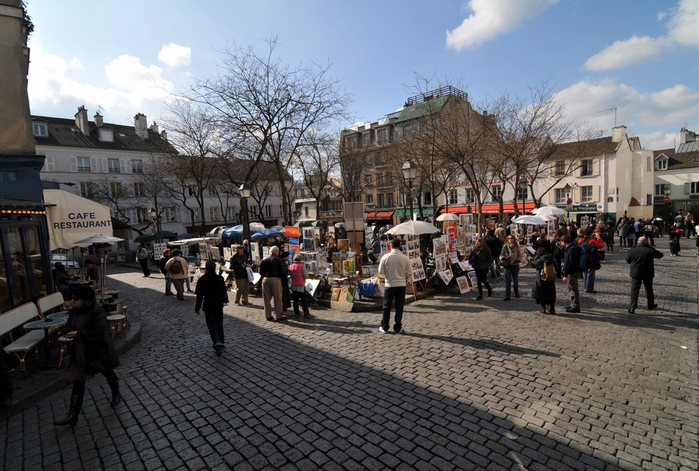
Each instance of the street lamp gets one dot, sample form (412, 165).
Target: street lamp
(244, 195)
(155, 222)
(410, 173)
(567, 189)
(523, 189)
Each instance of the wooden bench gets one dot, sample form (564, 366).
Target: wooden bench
(13, 319)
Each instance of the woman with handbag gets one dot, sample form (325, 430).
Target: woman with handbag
(510, 262)
(480, 259)
(212, 293)
(298, 286)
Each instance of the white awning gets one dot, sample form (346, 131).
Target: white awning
(73, 218)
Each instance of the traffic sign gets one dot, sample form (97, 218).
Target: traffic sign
(666, 199)
(569, 201)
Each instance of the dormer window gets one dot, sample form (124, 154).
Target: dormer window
(40, 129)
(661, 163)
(106, 135)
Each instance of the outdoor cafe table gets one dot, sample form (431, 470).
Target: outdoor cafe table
(46, 325)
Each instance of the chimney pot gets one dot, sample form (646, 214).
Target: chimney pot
(81, 121)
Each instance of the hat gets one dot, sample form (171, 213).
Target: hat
(84, 293)
(284, 254)
(299, 258)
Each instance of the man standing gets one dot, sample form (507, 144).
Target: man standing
(239, 264)
(142, 257)
(178, 269)
(164, 258)
(642, 270)
(590, 244)
(571, 272)
(396, 269)
(271, 271)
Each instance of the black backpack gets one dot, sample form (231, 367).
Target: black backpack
(589, 257)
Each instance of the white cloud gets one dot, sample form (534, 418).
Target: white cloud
(628, 52)
(669, 108)
(683, 27)
(175, 55)
(490, 18)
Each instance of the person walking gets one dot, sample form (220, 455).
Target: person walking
(178, 270)
(286, 295)
(495, 247)
(272, 270)
(642, 270)
(211, 296)
(164, 257)
(675, 235)
(571, 272)
(510, 263)
(299, 274)
(590, 245)
(239, 264)
(544, 292)
(91, 350)
(396, 269)
(480, 259)
(142, 257)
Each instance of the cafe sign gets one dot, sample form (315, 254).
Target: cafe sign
(71, 218)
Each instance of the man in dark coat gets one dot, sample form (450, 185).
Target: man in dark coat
(642, 270)
(239, 264)
(495, 246)
(571, 272)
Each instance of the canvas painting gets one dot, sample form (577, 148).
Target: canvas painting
(473, 281)
(336, 294)
(343, 245)
(462, 282)
(446, 276)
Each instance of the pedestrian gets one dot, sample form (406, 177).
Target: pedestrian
(212, 294)
(91, 350)
(600, 233)
(272, 271)
(298, 286)
(239, 264)
(397, 271)
(675, 235)
(480, 259)
(590, 247)
(142, 258)
(286, 296)
(247, 252)
(495, 247)
(544, 292)
(631, 233)
(642, 270)
(178, 270)
(571, 272)
(622, 228)
(609, 229)
(93, 272)
(509, 260)
(164, 257)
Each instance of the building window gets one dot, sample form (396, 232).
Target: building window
(367, 180)
(366, 139)
(369, 199)
(427, 197)
(453, 197)
(106, 135)
(560, 168)
(142, 215)
(113, 165)
(660, 189)
(87, 189)
(139, 189)
(269, 212)
(387, 179)
(648, 165)
(694, 188)
(522, 193)
(379, 160)
(382, 136)
(197, 214)
(496, 191)
(40, 129)
(115, 189)
(560, 196)
(305, 211)
(230, 212)
(137, 166)
(190, 190)
(586, 168)
(83, 164)
(169, 214)
(379, 179)
(213, 214)
(381, 200)
(662, 164)
(470, 195)
(389, 200)
(586, 193)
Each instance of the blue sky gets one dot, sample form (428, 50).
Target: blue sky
(641, 57)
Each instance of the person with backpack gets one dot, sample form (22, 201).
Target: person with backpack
(589, 258)
(164, 257)
(622, 228)
(142, 258)
(571, 272)
(544, 292)
(178, 269)
(642, 270)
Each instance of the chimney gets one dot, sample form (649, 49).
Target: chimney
(99, 122)
(141, 125)
(154, 128)
(618, 133)
(81, 121)
(687, 136)
(163, 134)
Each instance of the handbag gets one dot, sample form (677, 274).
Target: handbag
(505, 262)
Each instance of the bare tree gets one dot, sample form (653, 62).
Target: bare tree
(352, 182)
(317, 160)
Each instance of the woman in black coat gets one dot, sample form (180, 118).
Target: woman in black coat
(211, 292)
(544, 291)
(480, 259)
(91, 350)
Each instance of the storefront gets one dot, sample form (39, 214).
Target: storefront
(379, 217)
(403, 214)
(25, 268)
(507, 208)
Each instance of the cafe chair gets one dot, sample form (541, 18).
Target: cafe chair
(48, 303)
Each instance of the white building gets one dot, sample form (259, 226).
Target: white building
(677, 178)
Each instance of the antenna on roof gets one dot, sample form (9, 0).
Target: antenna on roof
(100, 109)
(610, 109)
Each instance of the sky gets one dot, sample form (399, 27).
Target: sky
(629, 60)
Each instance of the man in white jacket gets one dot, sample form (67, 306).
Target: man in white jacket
(396, 269)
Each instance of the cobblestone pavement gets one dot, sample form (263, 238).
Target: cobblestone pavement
(473, 385)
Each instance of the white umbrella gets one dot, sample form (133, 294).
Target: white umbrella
(528, 219)
(448, 217)
(413, 228)
(99, 239)
(256, 227)
(549, 211)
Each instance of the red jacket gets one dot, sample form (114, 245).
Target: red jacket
(592, 241)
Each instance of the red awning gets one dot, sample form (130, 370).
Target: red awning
(383, 215)
(491, 208)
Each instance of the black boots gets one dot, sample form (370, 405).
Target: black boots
(76, 403)
(114, 386)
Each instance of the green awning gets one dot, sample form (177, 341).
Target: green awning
(403, 213)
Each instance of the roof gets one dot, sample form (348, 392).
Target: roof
(589, 148)
(688, 147)
(678, 160)
(419, 110)
(65, 133)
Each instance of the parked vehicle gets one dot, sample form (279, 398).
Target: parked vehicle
(66, 259)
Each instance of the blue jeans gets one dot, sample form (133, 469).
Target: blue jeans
(396, 294)
(511, 274)
(589, 280)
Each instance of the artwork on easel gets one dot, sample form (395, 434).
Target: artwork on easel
(446, 276)
(472, 279)
(343, 245)
(418, 270)
(463, 284)
(336, 294)
(440, 263)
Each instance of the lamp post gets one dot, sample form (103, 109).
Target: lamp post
(244, 195)
(523, 189)
(155, 223)
(567, 189)
(409, 170)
